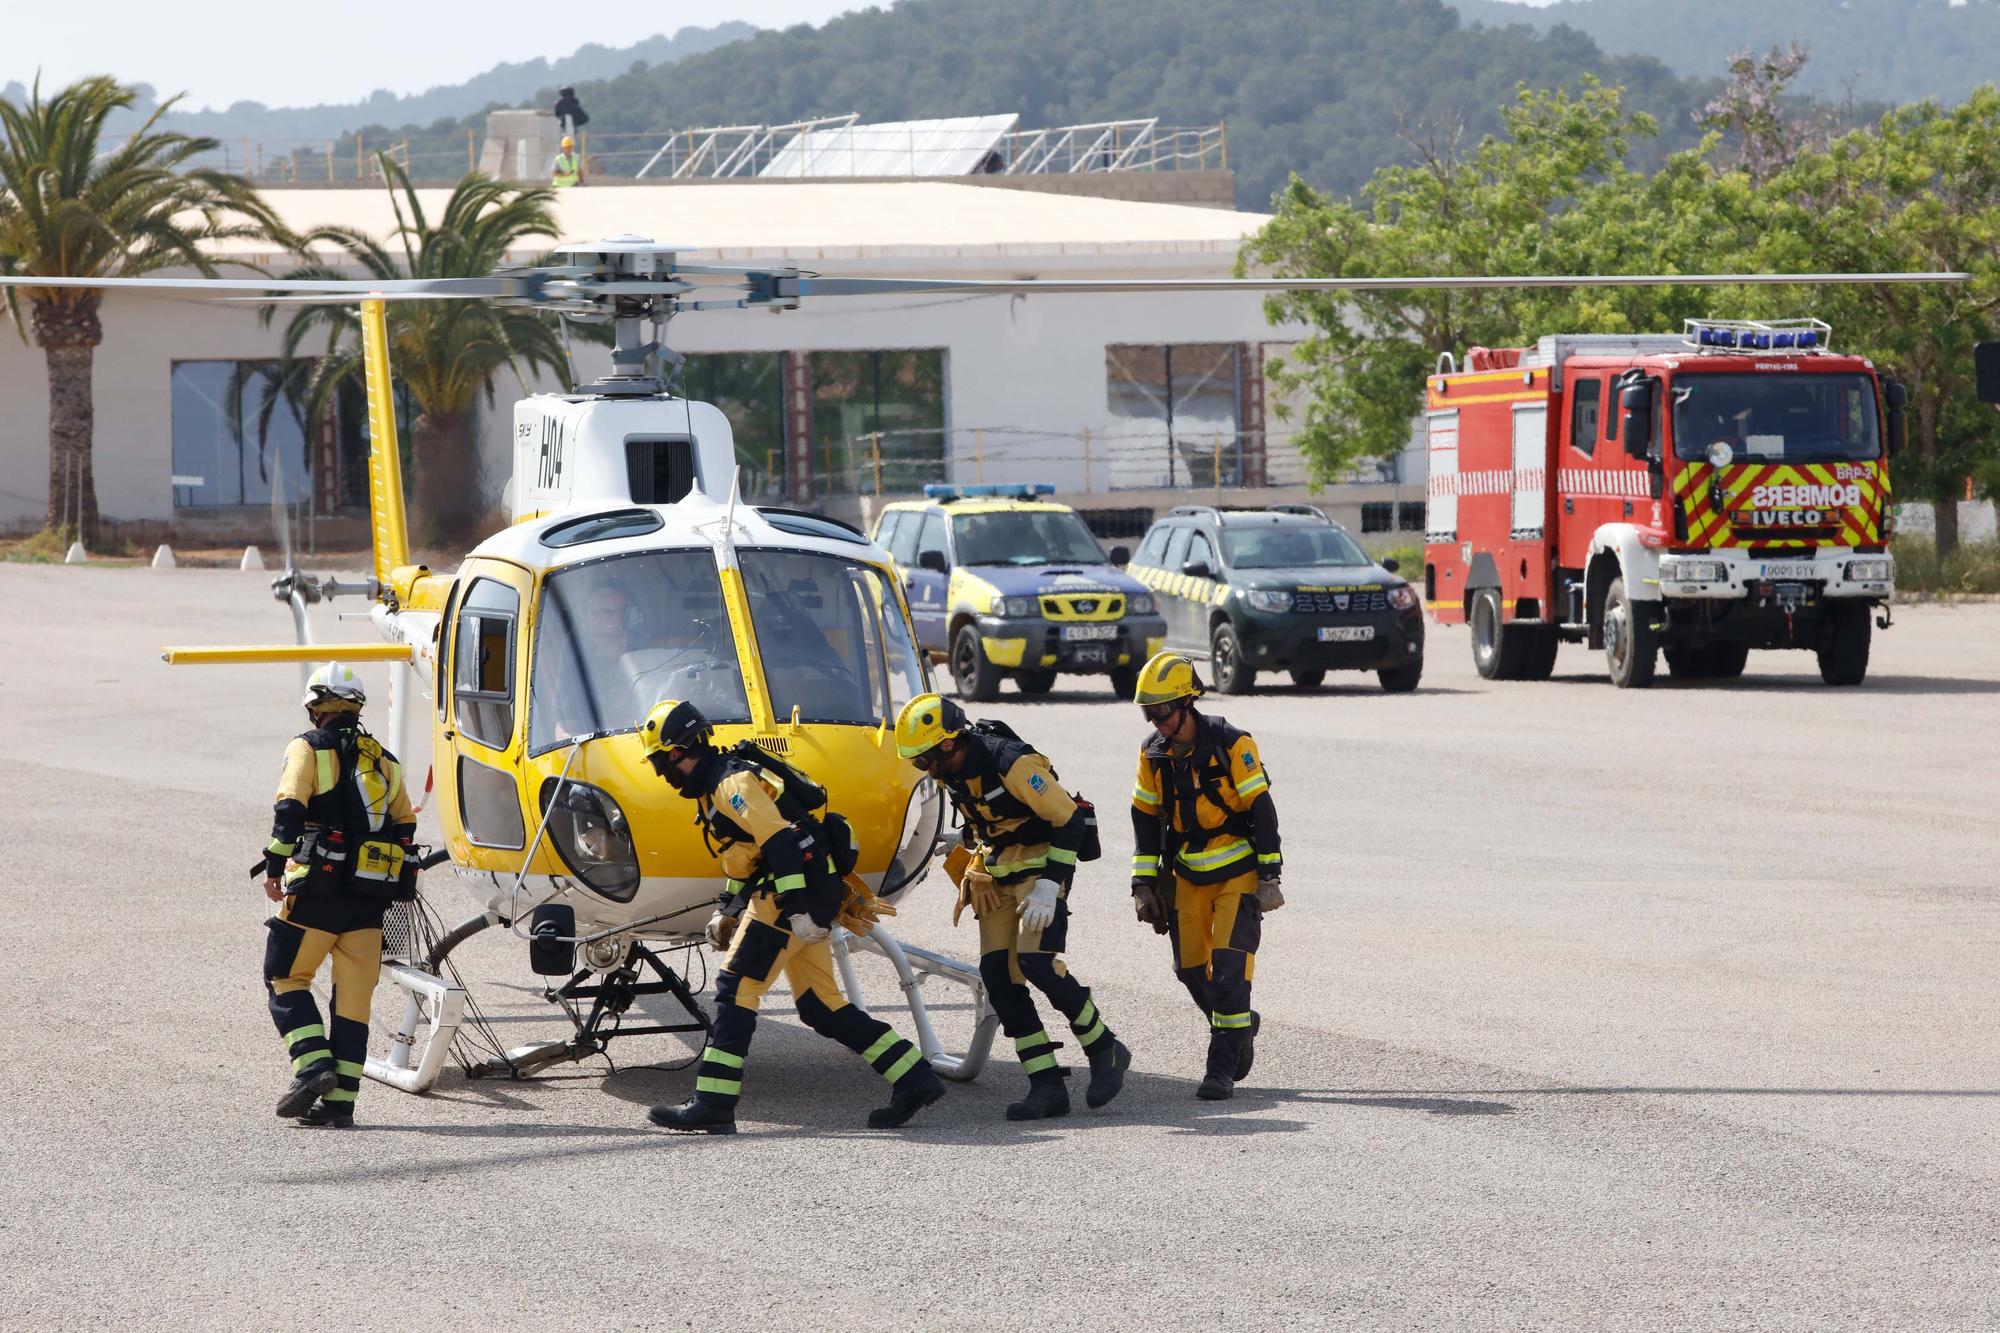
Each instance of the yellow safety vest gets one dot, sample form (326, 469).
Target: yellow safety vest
(567, 169)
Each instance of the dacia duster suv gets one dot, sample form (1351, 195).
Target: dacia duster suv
(1003, 585)
(1280, 589)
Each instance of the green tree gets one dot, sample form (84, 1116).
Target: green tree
(1554, 194)
(73, 207)
(1919, 192)
(446, 353)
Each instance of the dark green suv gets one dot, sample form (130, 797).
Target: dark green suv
(1280, 589)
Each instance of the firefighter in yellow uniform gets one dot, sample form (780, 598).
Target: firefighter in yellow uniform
(785, 874)
(1206, 863)
(1021, 841)
(340, 834)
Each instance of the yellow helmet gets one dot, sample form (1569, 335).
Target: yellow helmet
(673, 724)
(924, 722)
(1167, 676)
(568, 142)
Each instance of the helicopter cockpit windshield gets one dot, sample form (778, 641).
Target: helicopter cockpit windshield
(832, 637)
(620, 634)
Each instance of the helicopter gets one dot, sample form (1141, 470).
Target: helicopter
(632, 572)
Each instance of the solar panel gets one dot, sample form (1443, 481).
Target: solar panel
(953, 147)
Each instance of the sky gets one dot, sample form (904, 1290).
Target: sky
(224, 51)
(299, 55)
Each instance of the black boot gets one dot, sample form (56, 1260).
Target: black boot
(306, 1089)
(1048, 1097)
(1246, 1054)
(327, 1116)
(906, 1099)
(1216, 1087)
(1108, 1062)
(696, 1115)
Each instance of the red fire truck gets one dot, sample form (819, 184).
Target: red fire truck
(1693, 496)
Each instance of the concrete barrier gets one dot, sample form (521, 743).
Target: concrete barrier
(252, 559)
(76, 555)
(164, 558)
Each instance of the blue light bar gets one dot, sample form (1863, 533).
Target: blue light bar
(1809, 338)
(1014, 490)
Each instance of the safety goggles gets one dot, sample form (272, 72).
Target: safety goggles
(929, 759)
(1166, 712)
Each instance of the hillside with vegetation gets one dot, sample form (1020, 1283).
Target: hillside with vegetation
(1331, 89)
(1869, 50)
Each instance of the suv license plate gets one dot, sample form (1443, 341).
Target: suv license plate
(1346, 633)
(1092, 653)
(1788, 572)
(1075, 632)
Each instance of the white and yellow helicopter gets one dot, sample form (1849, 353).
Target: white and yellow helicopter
(630, 574)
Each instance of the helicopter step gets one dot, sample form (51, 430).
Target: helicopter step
(914, 966)
(430, 1003)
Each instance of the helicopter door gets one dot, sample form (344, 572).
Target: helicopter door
(487, 665)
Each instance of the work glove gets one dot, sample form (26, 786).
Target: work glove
(722, 929)
(804, 929)
(1269, 896)
(1149, 904)
(1040, 908)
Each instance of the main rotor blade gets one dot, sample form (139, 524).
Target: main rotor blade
(517, 286)
(811, 286)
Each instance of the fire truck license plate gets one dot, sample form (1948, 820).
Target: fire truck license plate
(1346, 633)
(1780, 571)
(1075, 632)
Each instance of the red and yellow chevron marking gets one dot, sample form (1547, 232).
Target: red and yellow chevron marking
(1711, 526)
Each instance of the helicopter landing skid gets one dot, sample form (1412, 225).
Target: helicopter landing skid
(913, 967)
(609, 999)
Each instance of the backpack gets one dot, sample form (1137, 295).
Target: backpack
(1092, 847)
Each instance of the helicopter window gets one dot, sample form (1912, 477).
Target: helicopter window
(834, 643)
(618, 635)
(603, 527)
(484, 680)
(489, 806)
(811, 525)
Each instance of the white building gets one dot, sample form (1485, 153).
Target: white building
(833, 403)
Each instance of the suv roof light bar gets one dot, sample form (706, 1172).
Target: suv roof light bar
(1010, 490)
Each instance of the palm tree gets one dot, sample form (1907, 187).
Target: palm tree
(70, 208)
(445, 353)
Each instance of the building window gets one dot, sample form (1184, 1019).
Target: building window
(238, 433)
(1410, 516)
(748, 389)
(1175, 414)
(878, 421)
(1378, 516)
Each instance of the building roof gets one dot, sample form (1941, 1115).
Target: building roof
(809, 222)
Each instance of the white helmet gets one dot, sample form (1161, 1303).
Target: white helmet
(332, 685)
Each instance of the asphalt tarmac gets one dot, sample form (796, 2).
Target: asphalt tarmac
(1589, 1008)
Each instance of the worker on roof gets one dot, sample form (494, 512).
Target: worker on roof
(786, 856)
(339, 854)
(1206, 863)
(1021, 840)
(567, 169)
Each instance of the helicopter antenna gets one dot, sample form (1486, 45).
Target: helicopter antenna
(729, 519)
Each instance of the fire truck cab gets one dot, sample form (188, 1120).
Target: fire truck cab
(1693, 496)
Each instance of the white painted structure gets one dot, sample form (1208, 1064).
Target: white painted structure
(1025, 377)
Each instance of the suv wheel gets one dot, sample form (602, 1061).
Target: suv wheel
(1125, 682)
(976, 678)
(1309, 680)
(1402, 679)
(1035, 682)
(1225, 659)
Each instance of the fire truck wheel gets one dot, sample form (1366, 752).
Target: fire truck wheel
(1541, 654)
(1690, 663)
(1225, 658)
(1499, 651)
(1308, 680)
(1726, 660)
(1631, 643)
(1844, 658)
